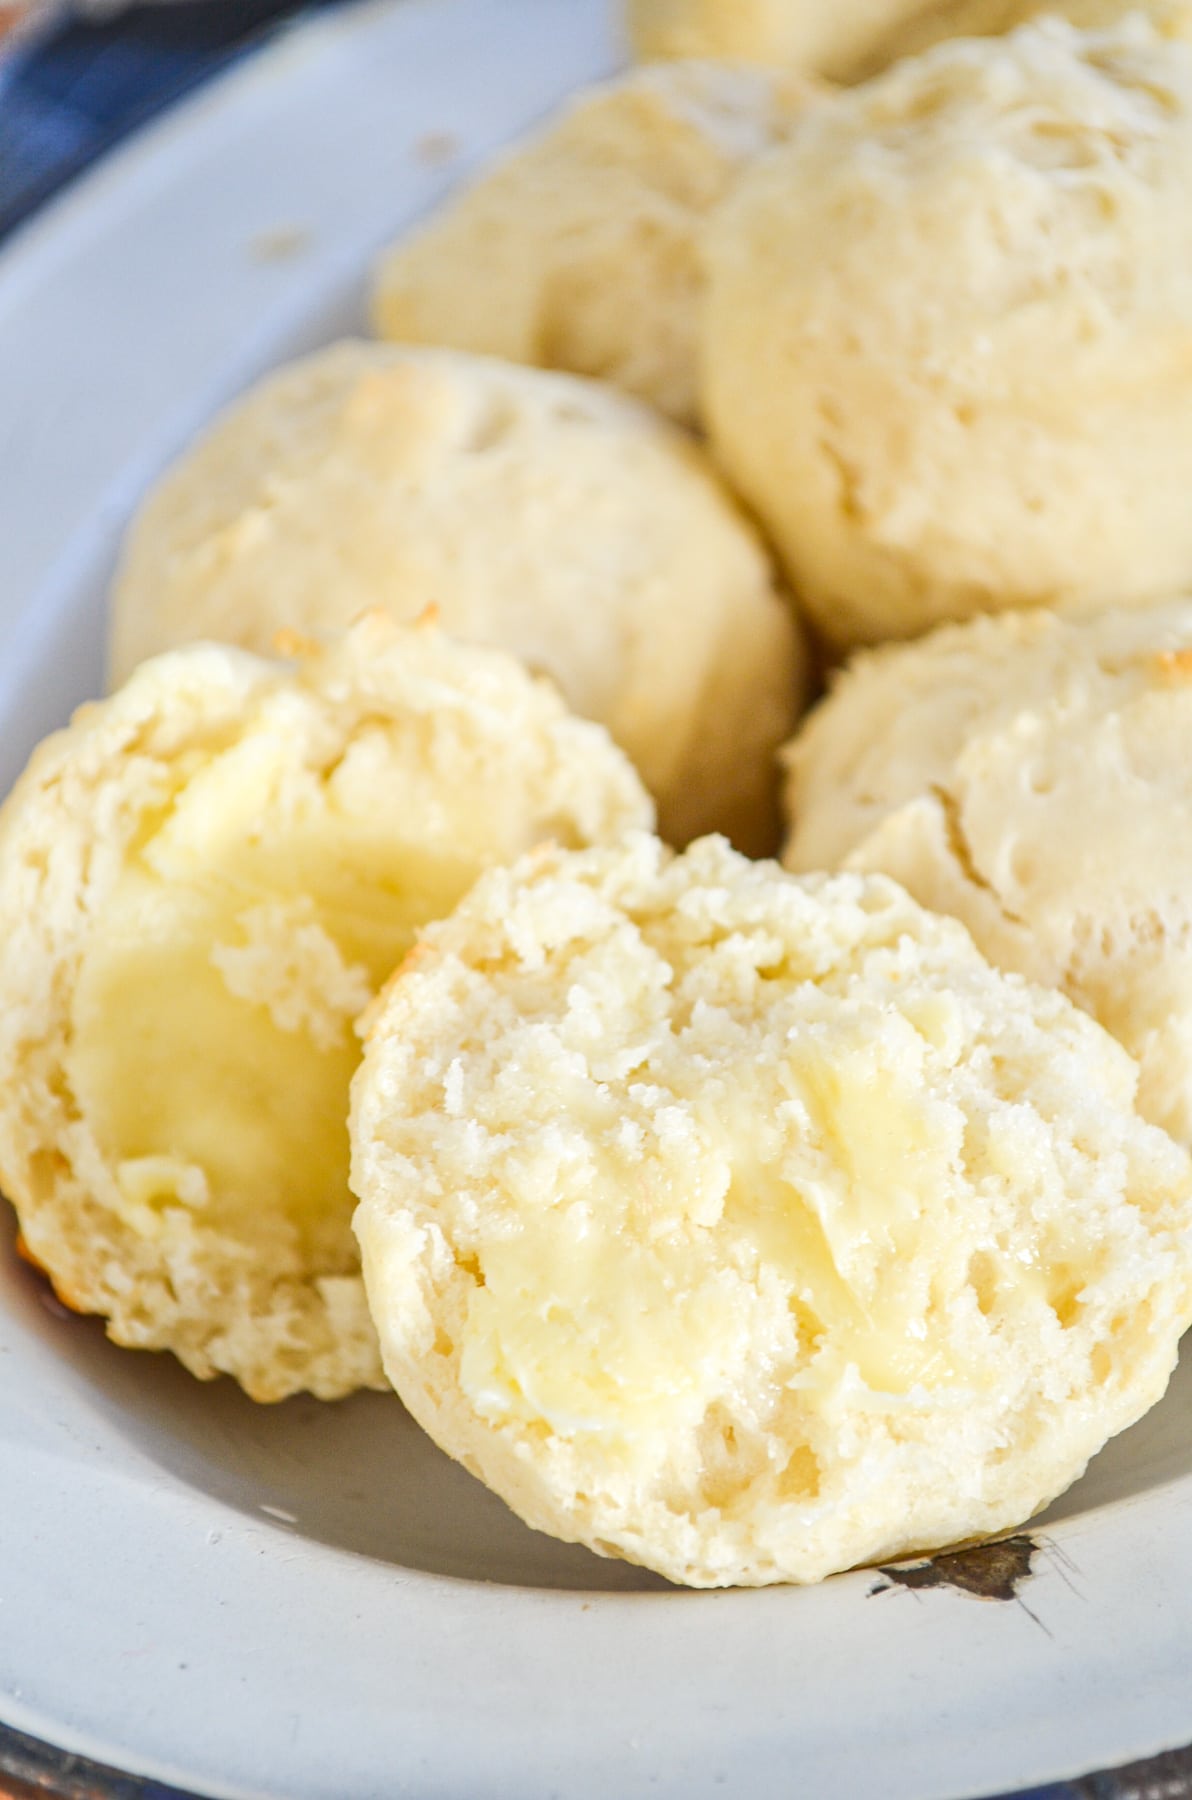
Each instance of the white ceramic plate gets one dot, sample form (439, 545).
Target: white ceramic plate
(307, 1602)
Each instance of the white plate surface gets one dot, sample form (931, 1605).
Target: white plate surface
(310, 1603)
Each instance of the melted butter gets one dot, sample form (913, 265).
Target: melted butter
(251, 826)
(595, 1332)
(602, 1318)
(212, 1047)
(855, 1245)
(879, 1329)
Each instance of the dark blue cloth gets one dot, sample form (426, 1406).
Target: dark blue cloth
(71, 94)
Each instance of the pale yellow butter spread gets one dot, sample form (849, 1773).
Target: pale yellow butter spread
(203, 883)
(607, 1319)
(751, 1227)
(215, 1000)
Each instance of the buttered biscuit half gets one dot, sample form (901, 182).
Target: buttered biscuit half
(203, 881)
(1030, 775)
(582, 248)
(751, 1227)
(947, 328)
(541, 514)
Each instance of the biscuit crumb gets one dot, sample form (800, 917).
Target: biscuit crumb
(281, 245)
(751, 1228)
(436, 147)
(203, 882)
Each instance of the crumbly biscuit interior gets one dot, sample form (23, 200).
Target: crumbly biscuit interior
(813, 1196)
(625, 1307)
(261, 904)
(726, 1202)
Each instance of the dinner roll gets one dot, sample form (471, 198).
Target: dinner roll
(750, 1227)
(537, 512)
(203, 880)
(1031, 775)
(581, 249)
(948, 350)
(851, 40)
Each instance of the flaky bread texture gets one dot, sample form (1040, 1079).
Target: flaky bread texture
(1030, 775)
(946, 338)
(581, 249)
(143, 822)
(539, 513)
(751, 1227)
(853, 40)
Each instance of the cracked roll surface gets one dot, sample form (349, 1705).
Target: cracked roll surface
(203, 881)
(853, 40)
(539, 513)
(947, 337)
(580, 249)
(751, 1227)
(1030, 775)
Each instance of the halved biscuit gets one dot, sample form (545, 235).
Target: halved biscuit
(750, 1227)
(203, 880)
